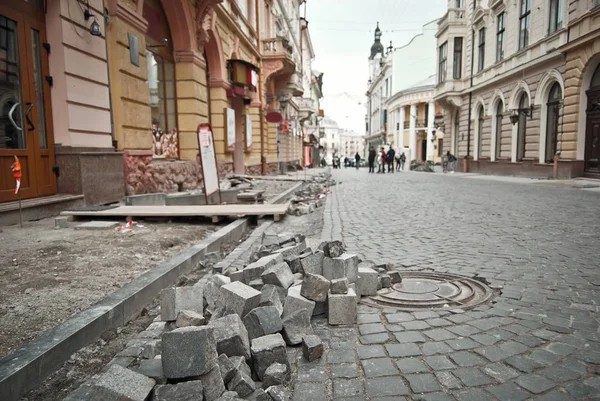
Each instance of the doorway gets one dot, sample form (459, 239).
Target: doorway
(592, 132)
(423, 150)
(238, 152)
(25, 115)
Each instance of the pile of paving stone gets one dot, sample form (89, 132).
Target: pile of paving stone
(422, 166)
(312, 195)
(225, 338)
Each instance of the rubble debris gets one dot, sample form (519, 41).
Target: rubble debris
(312, 347)
(277, 374)
(189, 352)
(174, 300)
(312, 195)
(422, 166)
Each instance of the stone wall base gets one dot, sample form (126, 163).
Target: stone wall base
(225, 167)
(95, 173)
(143, 174)
(567, 169)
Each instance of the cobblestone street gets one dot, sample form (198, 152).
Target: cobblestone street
(536, 242)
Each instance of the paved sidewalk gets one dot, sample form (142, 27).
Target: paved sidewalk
(538, 340)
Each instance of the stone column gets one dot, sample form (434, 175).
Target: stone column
(413, 132)
(430, 119)
(401, 130)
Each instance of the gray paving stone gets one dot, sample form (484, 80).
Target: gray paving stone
(463, 330)
(500, 372)
(544, 357)
(473, 394)
(371, 328)
(485, 339)
(511, 348)
(312, 373)
(416, 325)
(555, 395)
(466, 358)
(399, 317)
(559, 374)
(439, 322)
(581, 390)
(432, 348)
(561, 348)
(344, 370)
(472, 377)
(534, 383)
(380, 338)
(509, 391)
(402, 350)
(523, 363)
(409, 337)
(433, 397)
(439, 362)
(461, 344)
(439, 334)
(379, 367)
(448, 380)
(347, 388)
(411, 365)
(368, 318)
(310, 392)
(385, 387)
(370, 351)
(492, 353)
(421, 315)
(340, 356)
(423, 383)
(459, 318)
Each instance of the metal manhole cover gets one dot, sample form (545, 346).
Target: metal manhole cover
(429, 290)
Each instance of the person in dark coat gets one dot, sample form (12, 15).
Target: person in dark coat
(390, 159)
(357, 158)
(372, 155)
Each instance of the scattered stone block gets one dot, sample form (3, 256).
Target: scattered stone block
(229, 396)
(151, 348)
(266, 351)
(259, 395)
(367, 281)
(313, 263)
(320, 308)
(333, 249)
(187, 318)
(262, 321)
(350, 266)
(288, 251)
(236, 275)
(279, 393)
(395, 277)
(354, 287)
(342, 308)
(212, 289)
(270, 239)
(339, 286)
(153, 369)
(242, 384)
(297, 325)
(294, 263)
(174, 300)
(231, 336)
(276, 375)
(386, 281)
(315, 287)
(298, 278)
(256, 269)
(155, 330)
(295, 302)
(257, 284)
(239, 362)
(189, 351)
(333, 268)
(239, 298)
(226, 367)
(213, 384)
(185, 391)
(97, 225)
(121, 384)
(279, 275)
(270, 297)
(312, 347)
(61, 222)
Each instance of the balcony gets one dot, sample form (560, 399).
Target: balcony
(279, 50)
(454, 16)
(307, 105)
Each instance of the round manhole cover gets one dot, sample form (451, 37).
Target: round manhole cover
(429, 290)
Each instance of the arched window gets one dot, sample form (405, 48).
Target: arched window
(552, 114)
(522, 128)
(480, 121)
(499, 109)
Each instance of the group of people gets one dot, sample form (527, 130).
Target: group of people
(382, 158)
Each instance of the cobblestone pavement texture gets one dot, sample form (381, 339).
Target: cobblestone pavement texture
(539, 339)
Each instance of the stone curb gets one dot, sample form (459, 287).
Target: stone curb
(285, 194)
(30, 365)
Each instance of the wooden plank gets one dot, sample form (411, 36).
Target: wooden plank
(196, 210)
(36, 202)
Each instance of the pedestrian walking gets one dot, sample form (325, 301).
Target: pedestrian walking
(398, 162)
(451, 161)
(372, 156)
(357, 158)
(379, 161)
(402, 160)
(390, 159)
(346, 162)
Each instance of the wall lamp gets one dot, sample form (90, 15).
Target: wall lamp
(527, 112)
(95, 26)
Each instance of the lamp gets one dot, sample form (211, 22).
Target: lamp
(95, 26)
(527, 112)
(433, 133)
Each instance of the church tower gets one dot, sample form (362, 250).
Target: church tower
(377, 52)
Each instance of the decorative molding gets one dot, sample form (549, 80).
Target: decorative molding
(544, 85)
(479, 17)
(498, 95)
(128, 15)
(519, 88)
(189, 56)
(497, 5)
(235, 49)
(206, 22)
(271, 67)
(218, 83)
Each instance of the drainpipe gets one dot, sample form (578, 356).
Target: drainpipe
(466, 159)
(263, 158)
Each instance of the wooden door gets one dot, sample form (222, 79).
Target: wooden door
(592, 133)
(25, 115)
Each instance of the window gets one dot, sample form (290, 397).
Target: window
(524, 22)
(556, 15)
(480, 122)
(499, 130)
(457, 67)
(552, 121)
(443, 56)
(440, 148)
(500, 37)
(387, 87)
(522, 128)
(459, 3)
(481, 59)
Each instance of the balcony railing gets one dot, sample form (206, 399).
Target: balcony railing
(277, 47)
(306, 104)
(453, 16)
(418, 124)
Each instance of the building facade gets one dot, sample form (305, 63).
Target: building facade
(378, 90)
(351, 143)
(330, 139)
(105, 99)
(502, 81)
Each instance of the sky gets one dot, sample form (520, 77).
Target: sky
(342, 32)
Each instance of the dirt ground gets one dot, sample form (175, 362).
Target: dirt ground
(48, 275)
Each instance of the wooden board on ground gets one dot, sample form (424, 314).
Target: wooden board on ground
(213, 211)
